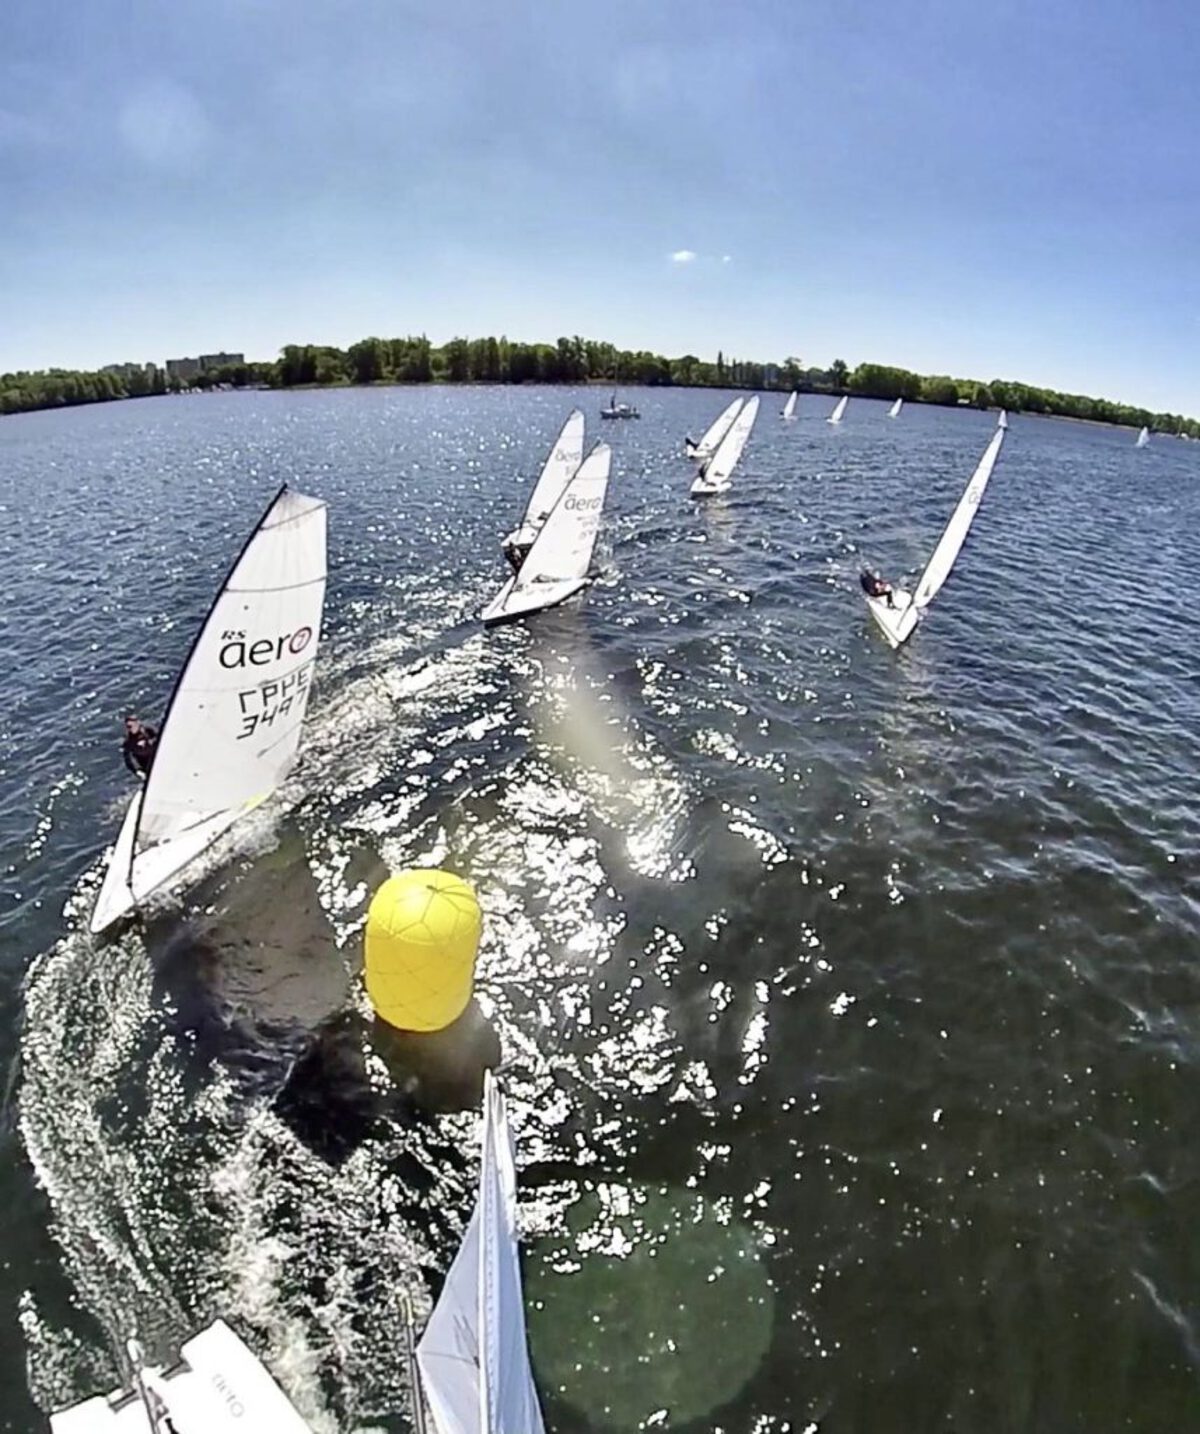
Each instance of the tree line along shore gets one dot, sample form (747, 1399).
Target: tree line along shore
(571, 360)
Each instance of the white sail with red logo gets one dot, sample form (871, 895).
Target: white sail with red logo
(232, 726)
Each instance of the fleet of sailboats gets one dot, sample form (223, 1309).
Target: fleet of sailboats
(232, 726)
(898, 612)
(714, 475)
(556, 564)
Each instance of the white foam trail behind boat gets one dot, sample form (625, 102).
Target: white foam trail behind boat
(232, 725)
(557, 564)
(714, 476)
(839, 411)
(715, 432)
(473, 1356)
(899, 621)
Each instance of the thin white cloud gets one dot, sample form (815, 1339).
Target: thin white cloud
(683, 256)
(726, 258)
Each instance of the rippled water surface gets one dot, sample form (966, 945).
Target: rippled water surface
(847, 999)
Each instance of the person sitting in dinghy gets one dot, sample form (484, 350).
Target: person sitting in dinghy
(138, 747)
(875, 586)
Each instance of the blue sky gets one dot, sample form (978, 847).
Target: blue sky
(1004, 189)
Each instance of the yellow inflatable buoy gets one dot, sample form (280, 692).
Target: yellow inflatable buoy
(423, 929)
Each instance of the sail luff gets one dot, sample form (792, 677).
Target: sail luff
(717, 430)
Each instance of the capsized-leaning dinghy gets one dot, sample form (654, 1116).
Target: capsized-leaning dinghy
(894, 411)
(701, 452)
(557, 562)
(714, 475)
(217, 1387)
(840, 411)
(473, 1358)
(898, 612)
(564, 458)
(232, 725)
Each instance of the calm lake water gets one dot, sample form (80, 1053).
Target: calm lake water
(848, 1000)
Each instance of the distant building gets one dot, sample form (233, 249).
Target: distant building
(211, 361)
(184, 369)
(126, 370)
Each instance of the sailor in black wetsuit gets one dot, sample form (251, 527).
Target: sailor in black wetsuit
(875, 586)
(138, 747)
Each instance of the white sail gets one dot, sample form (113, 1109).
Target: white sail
(938, 568)
(473, 1356)
(1002, 421)
(557, 564)
(836, 415)
(233, 723)
(789, 408)
(564, 458)
(894, 411)
(717, 430)
(1143, 438)
(714, 476)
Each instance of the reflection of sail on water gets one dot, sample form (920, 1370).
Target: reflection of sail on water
(232, 726)
(473, 1356)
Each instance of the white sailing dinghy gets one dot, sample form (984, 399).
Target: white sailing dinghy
(556, 565)
(564, 458)
(232, 725)
(789, 408)
(836, 415)
(473, 1357)
(1002, 421)
(218, 1387)
(1143, 438)
(711, 440)
(899, 621)
(894, 411)
(713, 476)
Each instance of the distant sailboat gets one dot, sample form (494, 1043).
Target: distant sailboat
(474, 1357)
(1002, 421)
(894, 411)
(564, 458)
(1143, 438)
(836, 415)
(714, 475)
(232, 726)
(717, 430)
(556, 565)
(619, 410)
(899, 621)
(789, 408)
